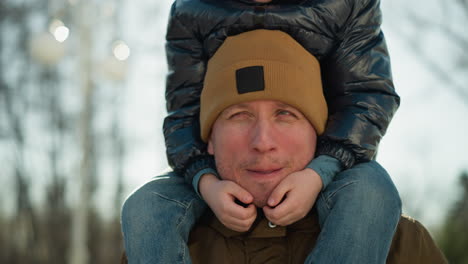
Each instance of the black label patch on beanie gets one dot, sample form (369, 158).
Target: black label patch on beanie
(250, 79)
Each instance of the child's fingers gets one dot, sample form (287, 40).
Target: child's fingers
(285, 213)
(273, 214)
(284, 220)
(238, 226)
(240, 212)
(243, 223)
(240, 193)
(279, 192)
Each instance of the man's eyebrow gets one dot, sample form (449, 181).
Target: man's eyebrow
(237, 106)
(286, 106)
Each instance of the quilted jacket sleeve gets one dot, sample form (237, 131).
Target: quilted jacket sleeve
(186, 152)
(360, 93)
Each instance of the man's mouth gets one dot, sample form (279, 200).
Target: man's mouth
(264, 172)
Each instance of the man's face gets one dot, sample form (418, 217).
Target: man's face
(257, 144)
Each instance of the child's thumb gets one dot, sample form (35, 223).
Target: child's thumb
(278, 194)
(241, 194)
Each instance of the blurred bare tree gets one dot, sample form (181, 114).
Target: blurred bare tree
(22, 229)
(443, 25)
(48, 137)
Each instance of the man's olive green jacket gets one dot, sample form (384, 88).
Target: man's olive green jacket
(212, 243)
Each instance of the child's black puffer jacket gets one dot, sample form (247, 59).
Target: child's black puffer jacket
(345, 36)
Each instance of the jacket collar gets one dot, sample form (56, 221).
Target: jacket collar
(261, 228)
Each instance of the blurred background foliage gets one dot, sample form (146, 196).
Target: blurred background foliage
(65, 78)
(452, 235)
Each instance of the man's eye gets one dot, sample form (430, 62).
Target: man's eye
(285, 113)
(242, 114)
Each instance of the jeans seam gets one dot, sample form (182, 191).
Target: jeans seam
(172, 200)
(181, 220)
(329, 197)
(325, 201)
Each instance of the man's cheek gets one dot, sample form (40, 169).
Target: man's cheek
(237, 177)
(228, 171)
(223, 170)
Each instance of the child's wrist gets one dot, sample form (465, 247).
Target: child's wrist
(206, 180)
(197, 177)
(317, 178)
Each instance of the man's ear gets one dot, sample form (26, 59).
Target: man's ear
(210, 147)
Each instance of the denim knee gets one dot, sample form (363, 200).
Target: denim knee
(157, 218)
(358, 213)
(162, 200)
(367, 188)
(373, 189)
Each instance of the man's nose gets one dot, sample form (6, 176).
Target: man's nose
(262, 137)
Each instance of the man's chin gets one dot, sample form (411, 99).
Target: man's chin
(260, 203)
(260, 193)
(260, 198)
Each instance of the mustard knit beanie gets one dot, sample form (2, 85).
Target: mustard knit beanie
(262, 65)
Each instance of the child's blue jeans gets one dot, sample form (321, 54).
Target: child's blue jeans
(358, 214)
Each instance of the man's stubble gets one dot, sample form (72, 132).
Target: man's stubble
(260, 190)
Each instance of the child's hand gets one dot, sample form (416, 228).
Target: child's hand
(221, 195)
(299, 191)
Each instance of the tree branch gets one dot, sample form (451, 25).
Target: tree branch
(459, 39)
